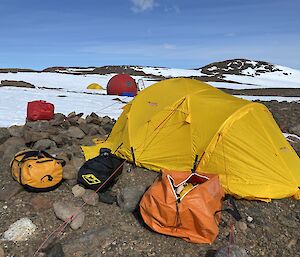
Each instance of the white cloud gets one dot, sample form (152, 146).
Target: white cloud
(142, 5)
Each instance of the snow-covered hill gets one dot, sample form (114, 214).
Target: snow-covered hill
(66, 87)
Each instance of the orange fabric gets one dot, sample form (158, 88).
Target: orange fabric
(193, 217)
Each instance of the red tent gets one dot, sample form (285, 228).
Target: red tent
(123, 85)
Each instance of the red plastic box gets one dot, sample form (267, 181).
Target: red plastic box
(40, 110)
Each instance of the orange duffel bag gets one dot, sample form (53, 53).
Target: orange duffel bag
(184, 204)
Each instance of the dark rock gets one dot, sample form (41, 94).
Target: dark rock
(107, 128)
(55, 251)
(84, 127)
(75, 132)
(295, 130)
(69, 172)
(10, 148)
(16, 131)
(77, 162)
(107, 197)
(4, 135)
(38, 126)
(129, 198)
(93, 129)
(44, 144)
(106, 120)
(58, 139)
(234, 250)
(58, 119)
(91, 238)
(16, 83)
(87, 141)
(33, 136)
(10, 190)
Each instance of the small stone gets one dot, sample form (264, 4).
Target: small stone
(65, 210)
(2, 253)
(242, 226)
(90, 197)
(249, 219)
(78, 191)
(69, 172)
(251, 225)
(21, 230)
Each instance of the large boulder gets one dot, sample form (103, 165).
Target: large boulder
(75, 132)
(16, 131)
(4, 135)
(10, 147)
(34, 136)
(44, 144)
(295, 130)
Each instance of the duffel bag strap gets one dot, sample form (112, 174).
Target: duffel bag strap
(234, 212)
(61, 161)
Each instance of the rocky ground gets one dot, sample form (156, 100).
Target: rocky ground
(267, 229)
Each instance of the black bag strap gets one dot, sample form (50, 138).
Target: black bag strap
(61, 161)
(36, 153)
(234, 211)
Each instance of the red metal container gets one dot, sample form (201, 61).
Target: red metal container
(40, 110)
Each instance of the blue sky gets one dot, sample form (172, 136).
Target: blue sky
(170, 33)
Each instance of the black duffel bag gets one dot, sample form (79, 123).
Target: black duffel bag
(96, 171)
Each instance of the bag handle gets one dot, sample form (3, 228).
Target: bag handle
(61, 161)
(39, 154)
(234, 211)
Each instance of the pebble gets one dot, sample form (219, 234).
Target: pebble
(242, 226)
(2, 253)
(78, 191)
(90, 197)
(64, 210)
(249, 219)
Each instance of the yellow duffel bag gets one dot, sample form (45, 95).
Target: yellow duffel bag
(37, 170)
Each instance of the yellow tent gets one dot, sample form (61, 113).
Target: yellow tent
(179, 124)
(94, 86)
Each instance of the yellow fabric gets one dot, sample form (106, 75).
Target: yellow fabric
(172, 121)
(94, 86)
